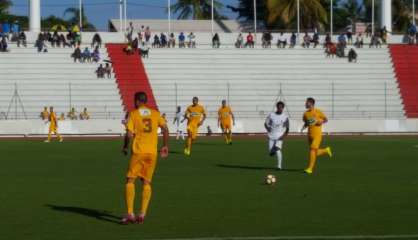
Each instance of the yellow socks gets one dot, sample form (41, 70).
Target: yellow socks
(129, 197)
(146, 196)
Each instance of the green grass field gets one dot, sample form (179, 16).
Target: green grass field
(75, 190)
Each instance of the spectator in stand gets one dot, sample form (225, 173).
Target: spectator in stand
(375, 42)
(100, 72)
(306, 40)
(182, 40)
(96, 41)
(192, 40)
(359, 41)
(328, 40)
(156, 43)
(412, 31)
(129, 32)
(44, 114)
(342, 40)
(96, 55)
(172, 41)
(163, 40)
(266, 40)
(349, 34)
(135, 43)
(72, 114)
(84, 115)
(40, 44)
(352, 56)
(77, 38)
(21, 40)
(315, 39)
(340, 51)
(240, 41)
(250, 41)
(86, 55)
(108, 70)
(384, 34)
(77, 54)
(3, 44)
(147, 35)
(369, 30)
(216, 42)
(54, 39)
(62, 117)
(293, 39)
(282, 41)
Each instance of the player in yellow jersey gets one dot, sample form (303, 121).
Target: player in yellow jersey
(225, 120)
(314, 119)
(53, 126)
(142, 128)
(44, 114)
(195, 115)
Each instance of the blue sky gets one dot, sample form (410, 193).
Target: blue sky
(100, 11)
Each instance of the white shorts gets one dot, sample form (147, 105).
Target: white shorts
(279, 144)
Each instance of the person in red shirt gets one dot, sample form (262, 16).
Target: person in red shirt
(250, 40)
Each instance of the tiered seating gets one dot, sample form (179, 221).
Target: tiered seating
(53, 79)
(253, 79)
(405, 61)
(130, 74)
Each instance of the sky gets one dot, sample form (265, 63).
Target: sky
(100, 11)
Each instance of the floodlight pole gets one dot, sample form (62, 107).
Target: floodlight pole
(298, 18)
(169, 16)
(120, 15)
(413, 12)
(331, 19)
(372, 17)
(126, 17)
(212, 16)
(255, 20)
(80, 13)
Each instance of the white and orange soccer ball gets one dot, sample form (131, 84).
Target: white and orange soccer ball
(270, 179)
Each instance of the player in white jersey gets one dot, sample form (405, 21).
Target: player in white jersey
(277, 126)
(177, 121)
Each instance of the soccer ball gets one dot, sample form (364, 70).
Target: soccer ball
(270, 179)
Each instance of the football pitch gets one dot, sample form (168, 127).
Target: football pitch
(75, 190)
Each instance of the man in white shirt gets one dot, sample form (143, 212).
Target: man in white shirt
(277, 126)
(177, 121)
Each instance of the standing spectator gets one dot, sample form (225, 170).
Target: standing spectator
(77, 54)
(282, 41)
(147, 35)
(250, 41)
(108, 70)
(216, 43)
(130, 31)
(21, 40)
(349, 34)
(384, 34)
(240, 41)
(293, 38)
(182, 39)
(172, 41)
(192, 40)
(3, 44)
(96, 41)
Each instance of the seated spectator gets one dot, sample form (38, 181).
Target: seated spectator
(352, 56)
(384, 34)
(163, 40)
(86, 55)
(192, 40)
(266, 40)
(293, 39)
(77, 54)
(342, 40)
(44, 114)
(62, 41)
(84, 115)
(412, 32)
(172, 41)
(21, 40)
(331, 50)
(62, 117)
(375, 42)
(182, 40)
(349, 35)
(3, 44)
(108, 70)
(156, 43)
(95, 56)
(250, 41)
(359, 41)
(306, 40)
(340, 51)
(72, 114)
(369, 30)
(135, 44)
(240, 41)
(100, 72)
(216, 43)
(328, 41)
(282, 41)
(55, 39)
(96, 41)
(315, 39)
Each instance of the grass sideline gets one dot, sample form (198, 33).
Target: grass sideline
(74, 190)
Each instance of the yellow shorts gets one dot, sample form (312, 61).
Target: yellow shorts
(315, 142)
(192, 130)
(226, 126)
(142, 166)
(52, 130)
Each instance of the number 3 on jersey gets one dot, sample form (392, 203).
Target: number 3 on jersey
(147, 125)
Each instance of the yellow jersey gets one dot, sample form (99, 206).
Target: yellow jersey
(44, 115)
(225, 114)
(143, 123)
(311, 117)
(195, 114)
(52, 119)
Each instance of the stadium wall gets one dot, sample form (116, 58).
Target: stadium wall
(250, 126)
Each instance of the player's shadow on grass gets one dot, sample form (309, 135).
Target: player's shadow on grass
(93, 213)
(257, 168)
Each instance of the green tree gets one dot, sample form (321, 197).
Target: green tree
(197, 9)
(4, 7)
(74, 18)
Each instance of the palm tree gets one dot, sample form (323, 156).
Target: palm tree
(312, 13)
(353, 12)
(75, 18)
(4, 6)
(197, 9)
(402, 14)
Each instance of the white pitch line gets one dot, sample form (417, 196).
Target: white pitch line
(411, 236)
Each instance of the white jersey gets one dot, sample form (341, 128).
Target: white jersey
(278, 124)
(178, 118)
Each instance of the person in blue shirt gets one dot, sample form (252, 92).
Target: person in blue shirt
(182, 39)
